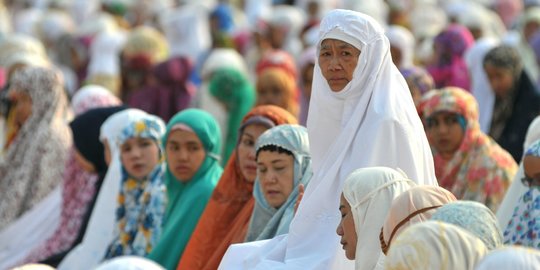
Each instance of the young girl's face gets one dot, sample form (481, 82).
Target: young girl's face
(185, 154)
(139, 156)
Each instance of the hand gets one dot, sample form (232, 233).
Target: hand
(299, 198)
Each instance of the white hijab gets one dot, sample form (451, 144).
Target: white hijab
(511, 257)
(99, 232)
(370, 192)
(403, 39)
(481, 88)
(517, 188)
(371, 122)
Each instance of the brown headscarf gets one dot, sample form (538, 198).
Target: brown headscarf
(226, 217)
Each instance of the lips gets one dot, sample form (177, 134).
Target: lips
(343, 244)
(181, 168)
(250, 168)
(138, 167)
(272, 192)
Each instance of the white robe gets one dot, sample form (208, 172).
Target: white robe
(371, 122)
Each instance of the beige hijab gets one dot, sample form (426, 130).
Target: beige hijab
(415, 205)
(435, 245)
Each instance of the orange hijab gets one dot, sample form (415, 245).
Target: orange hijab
(226, 217)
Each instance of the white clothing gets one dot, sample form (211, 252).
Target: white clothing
(371, 122)
(99, 232)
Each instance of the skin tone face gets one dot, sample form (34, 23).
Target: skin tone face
(106, 152)
(346, 229)
(85, 164)
(531, 166)
(270, 93)
(396, 55)
(185, 154)
(139, 156)
(500, 79)
(338, 60)
(22, 106)
(444, 133)
(246, 151)
(307, 80)
(276, 173)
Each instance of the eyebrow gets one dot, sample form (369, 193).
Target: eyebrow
(247, 134)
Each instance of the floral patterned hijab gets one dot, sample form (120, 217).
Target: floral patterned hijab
(34, 163)
(480, 169)
(523, 226)
(141, 202)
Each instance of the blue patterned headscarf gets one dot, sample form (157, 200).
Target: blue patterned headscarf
(141, 202)
(524, 226)
(267, 221)
(473, 217)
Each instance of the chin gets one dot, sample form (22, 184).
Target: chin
(350, 256)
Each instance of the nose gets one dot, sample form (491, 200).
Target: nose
(334, 64)
(339, 229)
(251, 154)
(183, 154)
(269, 178)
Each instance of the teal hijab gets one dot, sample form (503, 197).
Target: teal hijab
(267, 221)
(233, 89)
(188, 200)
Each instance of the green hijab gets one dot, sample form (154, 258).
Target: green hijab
(233, 89)
(188, 200)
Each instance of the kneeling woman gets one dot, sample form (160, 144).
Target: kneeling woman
(192, 144)
(141, 200)
(283, 163)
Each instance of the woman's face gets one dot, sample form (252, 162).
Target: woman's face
(276, 175)
(531, 168)
(22, 107)
(246, 151)
(271, 93)
(307, 80)
(338, 60)
(106, 152)
(139, 156)
(396, 55)
(500, 79)
(346, 229)
(83, 162)
(444, 133)
(185, 154)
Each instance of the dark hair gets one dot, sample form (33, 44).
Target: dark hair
(273, 148)
(506, 57)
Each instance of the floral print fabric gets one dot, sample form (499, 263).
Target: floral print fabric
(480, 170)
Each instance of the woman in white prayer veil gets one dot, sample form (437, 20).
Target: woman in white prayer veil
(360, 115)
(99, 232)
(517, 188)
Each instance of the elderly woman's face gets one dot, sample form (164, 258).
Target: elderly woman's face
(338, 60)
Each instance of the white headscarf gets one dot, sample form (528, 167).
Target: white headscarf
(481, 88)
(99, 232)
(517, 188)
(403, 39)
(435, 245)
(92, 96)
(187, 30)
(129, 263)
(105, 53)
(511, 257)
(370, 192)
(371, 122)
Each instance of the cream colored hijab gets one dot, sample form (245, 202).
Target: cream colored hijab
(415, 205)
(435, 245)
(370, 192)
